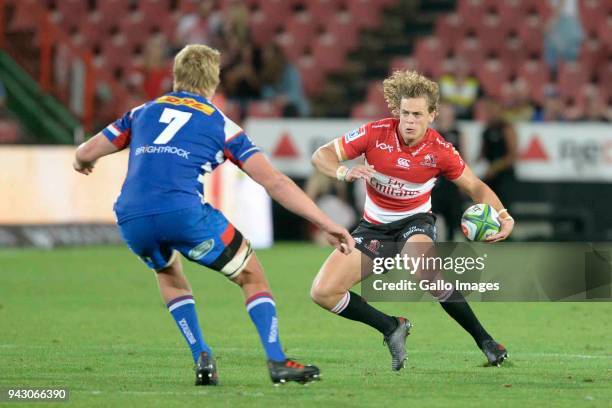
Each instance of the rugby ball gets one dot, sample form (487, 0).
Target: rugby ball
(479, 222)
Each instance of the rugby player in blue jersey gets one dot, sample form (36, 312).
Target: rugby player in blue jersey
(174, 140)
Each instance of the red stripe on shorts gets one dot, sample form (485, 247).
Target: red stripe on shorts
(228, 234)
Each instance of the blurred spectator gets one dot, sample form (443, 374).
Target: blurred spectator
(235, 22)
(563, 34)
(157, 70)
(201, 27)
(240, 58)
(594, 105)
(499, 148)
(518, 106)
(460, 89)
(240, 75)
(572, 110)
(282, 83)
(331, 196)
(552, 107)
(446, 197)
(134, 96)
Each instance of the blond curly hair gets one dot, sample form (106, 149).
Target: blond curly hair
(410, 84)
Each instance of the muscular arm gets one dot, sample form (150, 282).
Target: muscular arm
(327, 160)
(476, 189)
(282, 189)
(87, 153)
(479, 192)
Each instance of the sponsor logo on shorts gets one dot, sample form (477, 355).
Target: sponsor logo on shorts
(358, 240)
(374, 246)
(202, 249)
(414, 230)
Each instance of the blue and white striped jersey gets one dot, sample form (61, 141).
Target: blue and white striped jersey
(173, 141)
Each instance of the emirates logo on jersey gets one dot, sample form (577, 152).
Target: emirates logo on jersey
(396, 188)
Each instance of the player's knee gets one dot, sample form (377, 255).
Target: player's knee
(239, 265)
(321, 292)
(251, 274)
(315, 293)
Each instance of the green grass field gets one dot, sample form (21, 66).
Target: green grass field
(91, 319)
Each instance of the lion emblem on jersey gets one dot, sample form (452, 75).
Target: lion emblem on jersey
(429, 160)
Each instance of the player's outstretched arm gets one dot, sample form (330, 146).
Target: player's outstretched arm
(282, 189)
(87, 153)
(327, 160)
(479, 192)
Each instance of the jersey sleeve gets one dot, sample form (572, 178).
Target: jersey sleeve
(239, 148)
(119, 132)
(354, 143)
(451, 165)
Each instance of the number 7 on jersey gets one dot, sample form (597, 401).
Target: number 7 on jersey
(175, 119)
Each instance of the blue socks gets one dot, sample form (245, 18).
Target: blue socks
(262, 309)
(183, 311)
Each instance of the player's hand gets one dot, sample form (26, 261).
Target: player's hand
(83, 168)
(340, 238)
(507, 225)
(361, 171)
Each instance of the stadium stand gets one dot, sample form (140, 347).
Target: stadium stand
(484, 33)
(334, 44)
(315, 35)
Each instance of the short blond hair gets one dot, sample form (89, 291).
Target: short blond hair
(410, 84)
(196, 69)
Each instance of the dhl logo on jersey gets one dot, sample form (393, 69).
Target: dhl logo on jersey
(190, 102)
